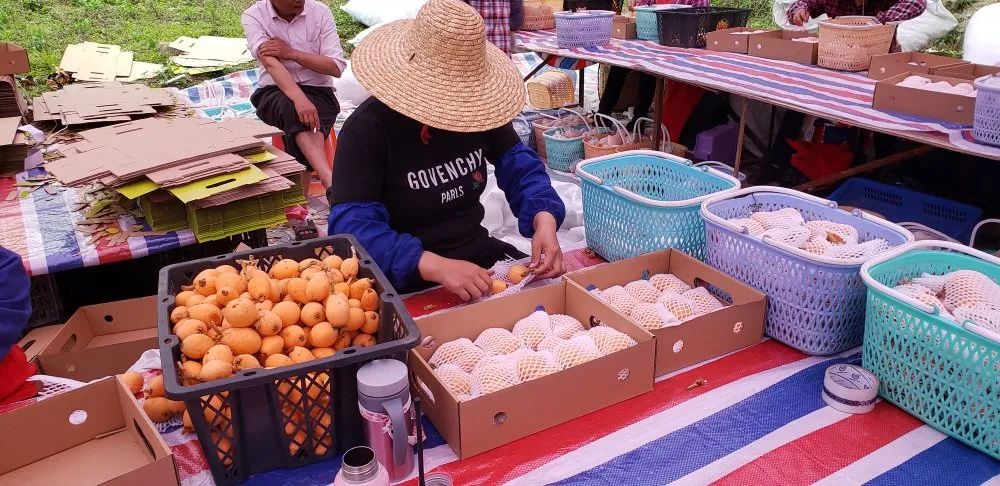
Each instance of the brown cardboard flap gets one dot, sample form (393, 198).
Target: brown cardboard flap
(967, 71)
(929, 104)
(894, 64)
(724, 40)
(13, 59)
(37, 340)
(436, 401)
(779, 45)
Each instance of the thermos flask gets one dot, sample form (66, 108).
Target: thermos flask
(384, 401)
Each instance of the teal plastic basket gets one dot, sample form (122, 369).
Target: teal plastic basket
(641, 201)
(946, 374)
(646, 27)
(563, 153)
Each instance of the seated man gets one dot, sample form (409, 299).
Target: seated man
(297, 45)
(884, 10)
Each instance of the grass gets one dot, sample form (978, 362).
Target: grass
(45, 27)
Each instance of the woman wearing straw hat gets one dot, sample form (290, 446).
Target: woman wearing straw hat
(411, 160)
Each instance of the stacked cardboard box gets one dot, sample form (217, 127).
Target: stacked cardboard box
(13, 146)
(86, 103)
(89, 61)
(12, 103)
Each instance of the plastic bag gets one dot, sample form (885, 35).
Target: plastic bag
(919, 32)
(982, 44)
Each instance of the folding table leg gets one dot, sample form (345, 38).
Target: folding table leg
(538, 67)
(658, 112)
(583, 72)
(739, 141)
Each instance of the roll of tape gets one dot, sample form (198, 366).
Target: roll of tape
(850, 388)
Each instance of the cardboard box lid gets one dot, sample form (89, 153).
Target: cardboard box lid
(13, 59)
(37, 340)
(968, 71)
(101, 340)
(889, 65)
(92, 435)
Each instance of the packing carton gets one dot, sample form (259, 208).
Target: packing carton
(492, 420)
(623, 27)
(779, 45)
(94, 435)
(101, 340)
(739, 325)
(929, 104)
(967, 71)
(726, 40)
(889, 65)
(13, 59)
(37, 340)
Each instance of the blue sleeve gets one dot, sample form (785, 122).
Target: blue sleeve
(15, 300)
(395, 253)
(521, 176)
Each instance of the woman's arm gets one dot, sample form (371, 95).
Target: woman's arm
(15, 303)
(521, 176)
(397, 254)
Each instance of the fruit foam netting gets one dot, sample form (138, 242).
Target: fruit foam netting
(653, 316)
(782, 218)
(533, 329)
(610, 340)
(704, 301)
(643, 291)
(619, 299)
(461, 352)
(497, 340)
(668, 282)
(454, 378)
(678, 305)
(576, 351)
(535, 365)
(565, 326)
(491, 377)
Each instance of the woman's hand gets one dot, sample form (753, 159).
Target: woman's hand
(546, 255)
(466, 280)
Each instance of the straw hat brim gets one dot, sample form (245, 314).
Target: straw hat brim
(444, 93)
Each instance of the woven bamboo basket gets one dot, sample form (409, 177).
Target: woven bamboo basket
(633, 140)
(551, 89)
(538, 16)
(848, 43)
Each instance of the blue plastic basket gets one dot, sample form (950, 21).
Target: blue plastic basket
(815, 302)
(901, 204)
(645, 20)
(563, 153)
(641, 201)
(944, 373)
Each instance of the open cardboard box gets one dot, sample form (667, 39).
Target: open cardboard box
(492, 420)
(96, 434)
(967, 71)
(739, 325)
(101, 340)
(779, 45)
(726, 40)
(13, 59)
(623, 27)
(930, 104)
(38, 339)
(889, 65)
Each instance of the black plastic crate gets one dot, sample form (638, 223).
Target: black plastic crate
(46, 308)
(686, 27)
(242, 421)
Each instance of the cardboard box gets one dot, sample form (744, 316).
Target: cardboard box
(13, 59)
(929, 104)
(889, 65)
(492, 420)
(778, 44)
(967, 71)
(37, 340)
(739, 325)
(725, 40)
(623, 27)
(96, 434)
(101, 340)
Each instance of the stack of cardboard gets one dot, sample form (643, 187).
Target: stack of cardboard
(12, 103)
(86, 103)
(218, 178)
(89, 61)
(210, 52)
(13, 146)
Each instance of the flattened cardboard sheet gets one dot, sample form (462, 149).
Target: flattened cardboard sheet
(13, 59)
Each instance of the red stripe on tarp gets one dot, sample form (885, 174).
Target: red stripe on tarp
(522, 456)
(824, 452)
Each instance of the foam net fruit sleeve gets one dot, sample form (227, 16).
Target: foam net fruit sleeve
(610, 340)
(619, 299)
(491, 378)
(454, 378)
(653, 316)
(565, 326)
(782, 218)
(816, 245)
(667, 282)
(534, 366)
(989, 319)
(497, 340)
(576, 351)
(934, 283)
(792, 236)
(835, 233)
(643, 291)
(970, 289)
(550, 343)
(704, 301)
(460, 352)
(533, 329)
(867, 249)
(923, 294)
(678, 305)
(754, 227)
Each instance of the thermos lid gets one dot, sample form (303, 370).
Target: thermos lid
(382, 378)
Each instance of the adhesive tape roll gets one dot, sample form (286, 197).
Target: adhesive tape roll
(850, 388)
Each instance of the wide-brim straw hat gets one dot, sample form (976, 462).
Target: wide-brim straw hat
(440, 70)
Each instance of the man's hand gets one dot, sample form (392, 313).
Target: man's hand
(307, 112)
(466, 280)
(801, 17)
(546, 256)
(276, 48)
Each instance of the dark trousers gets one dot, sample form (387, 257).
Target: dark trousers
(613, 90)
